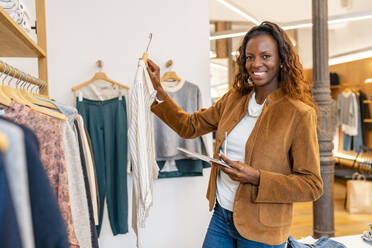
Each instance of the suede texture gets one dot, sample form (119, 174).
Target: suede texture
(283, 146)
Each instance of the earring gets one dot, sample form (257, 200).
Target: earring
(281, 66)
(250, 82)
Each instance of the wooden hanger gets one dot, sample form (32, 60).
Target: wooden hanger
(4, 142)
(4, 99)
(99, 76)
(15, 95)
(27, 95)
(170, 75)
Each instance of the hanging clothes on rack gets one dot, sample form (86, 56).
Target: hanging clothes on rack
(49, 133)
(87, 153)
(45, 211)
(364, 114)
(172, 162)
(9, 233)
(79, 185)
(16, 170)
(349, 116)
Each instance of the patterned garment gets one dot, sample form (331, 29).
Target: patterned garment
(49, 133)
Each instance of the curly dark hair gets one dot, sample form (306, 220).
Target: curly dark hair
(291, 78)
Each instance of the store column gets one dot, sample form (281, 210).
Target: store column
(323, 209)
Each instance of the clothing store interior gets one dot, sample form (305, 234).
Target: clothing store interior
(91, 153)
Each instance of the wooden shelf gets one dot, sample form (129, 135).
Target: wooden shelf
(351, 85)
(367, 101)
(367, 120)
(14, 41)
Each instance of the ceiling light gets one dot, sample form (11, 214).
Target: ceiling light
(218, 66)
(350, 19)
(350, 57)
(224, 36)
(303, 24)
(296, 26)
(368, 81)
(237, 10)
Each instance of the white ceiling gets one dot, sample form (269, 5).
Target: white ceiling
(282, 11)
(343, 37)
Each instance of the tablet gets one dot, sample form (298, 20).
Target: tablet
(204, 157)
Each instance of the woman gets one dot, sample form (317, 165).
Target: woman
(270, 119)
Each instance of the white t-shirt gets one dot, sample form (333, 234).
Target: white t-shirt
(236, 140)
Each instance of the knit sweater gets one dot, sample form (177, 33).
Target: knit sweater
(188, 97)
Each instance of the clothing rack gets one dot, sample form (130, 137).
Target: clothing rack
(9, 70)
(356, 161)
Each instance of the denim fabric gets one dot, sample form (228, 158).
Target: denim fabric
(223, 234)
(323, 242)
(347, 142)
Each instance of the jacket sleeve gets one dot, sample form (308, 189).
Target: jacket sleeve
(305, 182)
(189, 125)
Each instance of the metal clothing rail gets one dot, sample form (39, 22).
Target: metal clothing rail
(11, 71)
(352, 160)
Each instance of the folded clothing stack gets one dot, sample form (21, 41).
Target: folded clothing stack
(367, 235)
(18, 11)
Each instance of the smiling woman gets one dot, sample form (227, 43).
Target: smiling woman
(270, 121)
(276, 49)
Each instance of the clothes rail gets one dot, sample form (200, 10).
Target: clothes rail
(11, 71)
(352, 161)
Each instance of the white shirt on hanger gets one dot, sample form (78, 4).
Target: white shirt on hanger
(141, 147)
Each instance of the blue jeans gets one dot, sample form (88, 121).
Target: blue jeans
(223, 234)
(323, 242)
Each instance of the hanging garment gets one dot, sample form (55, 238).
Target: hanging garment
(68, 111)
(182, 168)
(94, 237)
(44, 205)
(172, 162)
(365, 114)
(76, 185)
(49, 133)
(141, 147)
(348, 113)
(355, 142)
(16, 169)
(101, 90)
(106, 123)
(9, 230)
(74, 143)
(90, 165)
(188, 97)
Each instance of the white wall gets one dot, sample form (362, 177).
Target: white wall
(80, 32)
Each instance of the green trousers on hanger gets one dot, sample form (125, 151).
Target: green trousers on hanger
(106, 122)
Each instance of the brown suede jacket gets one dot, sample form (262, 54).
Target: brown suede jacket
(283, 146)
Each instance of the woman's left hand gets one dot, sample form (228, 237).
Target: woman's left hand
(239, 171)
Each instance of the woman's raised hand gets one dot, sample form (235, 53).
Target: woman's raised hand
(154, 73)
